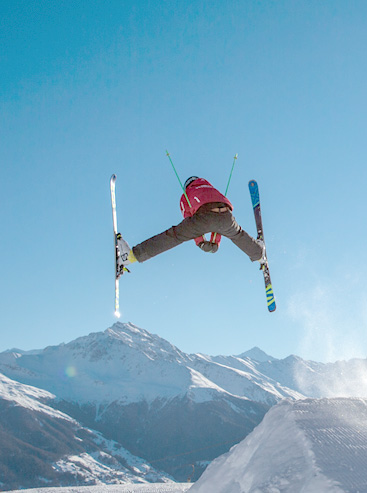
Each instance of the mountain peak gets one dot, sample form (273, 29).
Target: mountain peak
(153, 346)
(257, 354)
(120, 327)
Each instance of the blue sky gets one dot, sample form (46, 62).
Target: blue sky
(94, 88)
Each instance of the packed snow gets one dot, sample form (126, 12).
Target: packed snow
(305, 446)
(131, 488)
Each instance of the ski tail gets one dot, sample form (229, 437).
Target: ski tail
(270, 298)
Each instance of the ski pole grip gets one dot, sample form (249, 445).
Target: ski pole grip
(178, 178)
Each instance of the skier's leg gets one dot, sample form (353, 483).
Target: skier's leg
(228, 226)
(195, 226)
(188, 229)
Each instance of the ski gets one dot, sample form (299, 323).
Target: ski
(255, 199)
(114, 220)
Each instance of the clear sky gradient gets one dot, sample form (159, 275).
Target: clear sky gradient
(88, 89)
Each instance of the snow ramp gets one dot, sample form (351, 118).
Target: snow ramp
(306, 446)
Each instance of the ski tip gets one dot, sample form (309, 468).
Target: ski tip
(113, 178)
(117, 314)
(254, 193)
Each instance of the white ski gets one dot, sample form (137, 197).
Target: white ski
(114, 219)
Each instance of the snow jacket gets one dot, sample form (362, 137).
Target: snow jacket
(201, 192)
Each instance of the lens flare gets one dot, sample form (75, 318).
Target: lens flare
(70, 371)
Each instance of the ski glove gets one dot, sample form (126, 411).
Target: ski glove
(208, 246)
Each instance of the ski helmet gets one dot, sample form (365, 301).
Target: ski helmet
(190, 180)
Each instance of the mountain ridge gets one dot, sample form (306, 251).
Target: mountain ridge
(129, 364)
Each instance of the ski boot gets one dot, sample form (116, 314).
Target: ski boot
(262, 260)
(124, 256)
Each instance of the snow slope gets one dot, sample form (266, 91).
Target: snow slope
(29, 397)
(40, 445)
(131, 488)
(308, 446)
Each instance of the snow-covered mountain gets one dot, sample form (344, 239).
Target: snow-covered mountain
(135, 387)
(128, 364)
(42, 446)
(177, 411)
(313, 445)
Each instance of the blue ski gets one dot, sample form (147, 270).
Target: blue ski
(255, 199)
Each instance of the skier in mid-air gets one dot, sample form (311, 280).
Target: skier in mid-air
(205, 210)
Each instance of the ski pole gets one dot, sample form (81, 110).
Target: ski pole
(178, 178)
(229, 180)
(230, 176)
